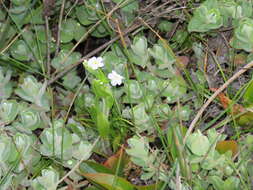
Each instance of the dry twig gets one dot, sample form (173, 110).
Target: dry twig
(223, 87)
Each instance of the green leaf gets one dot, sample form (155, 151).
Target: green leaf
(149, 160)
(243, 35)
(165, 26)
(93, 167)
(156, 186)
(142, 119)
(68, 30)
(18, 14)
(6, 146)
(34, 92)
(162, 56)
(213, 160)
(180, 36)
(8, 110)
(249, 140)
(6, 183)
(103, 124)
(84, 133)
(20, 51)
(133, 90)
(52, 141)
(41, 33)
(20, 2)
(7, 31)
(87, 14)
(206, 17)
(247, 8)
(5, 83)
(71, 79)
(230, 8)
(100, 31)
(174, 89)
(82, 149)
(48, 180)
(30, 119)
(248, 95)
(214, 136)
(131, 6)
(79, 32)
(216, 182)
(84, 101)
(102, 90)
(232, 183)
(83, 15)
(35, 16)
(71, 59)
(139, 53)
(198, 143)
(114, 62)
(139, 151)
(183, 113)
(139, 45)
(108, 181)
(92, 188)
(24, 144)
(242, 8)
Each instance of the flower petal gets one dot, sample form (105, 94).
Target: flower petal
(115, 78)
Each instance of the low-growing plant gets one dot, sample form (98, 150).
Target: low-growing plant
(125, 111)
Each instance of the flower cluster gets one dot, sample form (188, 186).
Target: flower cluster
(97, 62)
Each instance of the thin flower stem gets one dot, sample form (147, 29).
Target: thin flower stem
(59, 28)
(48, 39)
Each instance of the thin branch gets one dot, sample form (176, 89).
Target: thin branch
(58, 39)
(13, 40)
(71, 8)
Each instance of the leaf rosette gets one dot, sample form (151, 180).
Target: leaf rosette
(34, 92)
(243, 35)
(8, 111)
(206, 17)
(30, 119)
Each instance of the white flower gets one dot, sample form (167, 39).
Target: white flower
(95, 62)
(115, 78)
